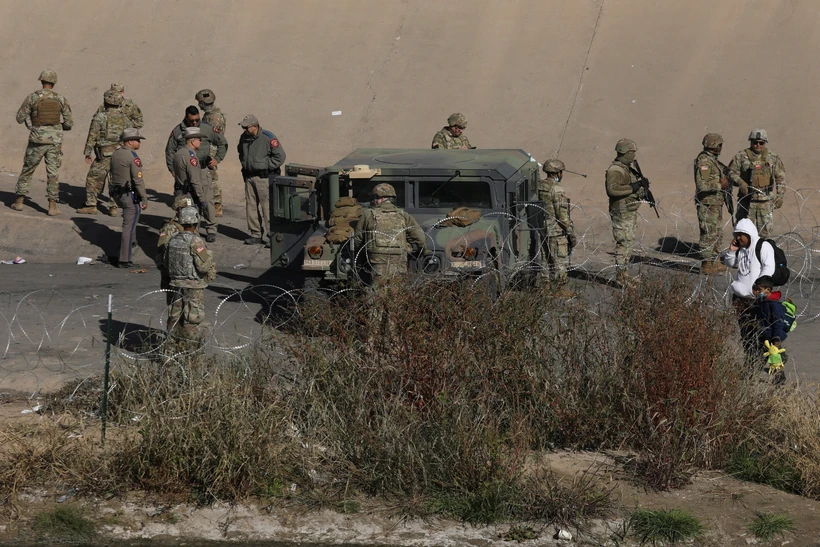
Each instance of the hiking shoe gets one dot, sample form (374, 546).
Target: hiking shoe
(112, 211)
(210, 238)
(18, 203)
(253, 241)
(88, 210)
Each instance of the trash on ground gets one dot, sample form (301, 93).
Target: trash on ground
(84, 260)
(19, 260)
(336, 113)
(141, 270)
(240, 267)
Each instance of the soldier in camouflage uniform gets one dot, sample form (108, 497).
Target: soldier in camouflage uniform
(42, 112)
(168, 230)
(103, 139)
(625, 194)
(190, 267)
(451, 135)
(765, 176)
(710, 183)
(213, 116)
(385, 234)
(128, 107)
(559, 235)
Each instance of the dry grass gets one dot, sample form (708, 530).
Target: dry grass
(433, 397)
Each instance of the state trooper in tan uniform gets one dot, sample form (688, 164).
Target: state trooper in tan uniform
(189, 178)
(128, 190)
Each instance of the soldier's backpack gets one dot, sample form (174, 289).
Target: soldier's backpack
(388, 232)
(781, 267)
(46, 111)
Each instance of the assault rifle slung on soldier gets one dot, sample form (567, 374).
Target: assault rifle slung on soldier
(727, 192)
(644, 182)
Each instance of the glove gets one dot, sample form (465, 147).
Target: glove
(572, 240)
(744, 189)
(724, 183)
(635, 186)
(773, 353)
(778, 203)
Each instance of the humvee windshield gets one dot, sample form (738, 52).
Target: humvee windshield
(363, 190)
(441, 194)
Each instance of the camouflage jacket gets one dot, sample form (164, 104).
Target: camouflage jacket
(168, 230)
(203, 267)
(619, 180)
(444, 140)
(131, 110)
(764, 172)
(385, 229)
(105, 130)
(176, 140)
(45, 134)
(556, 207)
(216, 119)
(708, 176)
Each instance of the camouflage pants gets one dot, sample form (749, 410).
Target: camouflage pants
(624, 220)
(710, 221)
(187, 308)
(53, 154)
(762, 214)
(383, 268)
(556, 258)
(215, 186)
(95, 183)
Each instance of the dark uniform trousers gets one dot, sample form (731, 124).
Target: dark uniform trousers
(130, 217)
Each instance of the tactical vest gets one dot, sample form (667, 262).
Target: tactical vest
(180, 260)
(46, 111)
(115, 122)
(388, 232)
(760, 172)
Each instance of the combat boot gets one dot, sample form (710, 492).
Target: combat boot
(112, 211)
(218, 209)
(88, 210)
(52, 208)
(18, 203)
(709, 267)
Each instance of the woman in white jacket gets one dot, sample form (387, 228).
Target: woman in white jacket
(741, 255)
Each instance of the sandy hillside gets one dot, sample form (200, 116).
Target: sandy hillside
(543, 75)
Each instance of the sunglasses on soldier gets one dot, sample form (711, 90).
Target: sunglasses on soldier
(758, 143)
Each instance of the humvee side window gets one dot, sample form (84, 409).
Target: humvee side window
(363, 188)
(454, 193)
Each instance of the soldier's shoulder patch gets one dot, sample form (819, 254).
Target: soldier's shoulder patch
(274, 143)
(216, 129)
(704, 167)
(194, 162)
(200, 249)
(162, 234)
(138, 162)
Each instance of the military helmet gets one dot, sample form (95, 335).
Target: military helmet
(205, 96)
(384, 190)
(712, 140)
(112, 97)
(181, 202)
(118, 87)
(189, 216)
(48, 76)
(626, 145)
(554, 165)
(758, 135)
(457, 119)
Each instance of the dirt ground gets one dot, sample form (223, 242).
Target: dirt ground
(553, 77)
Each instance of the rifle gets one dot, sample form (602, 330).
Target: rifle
(644, 182)
(727, 192)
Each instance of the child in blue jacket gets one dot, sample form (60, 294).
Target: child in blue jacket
(770, 315)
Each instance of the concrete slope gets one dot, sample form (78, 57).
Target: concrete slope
(548, 76)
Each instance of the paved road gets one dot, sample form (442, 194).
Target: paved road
(53, 317)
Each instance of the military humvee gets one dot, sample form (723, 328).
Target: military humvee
(500, 188)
